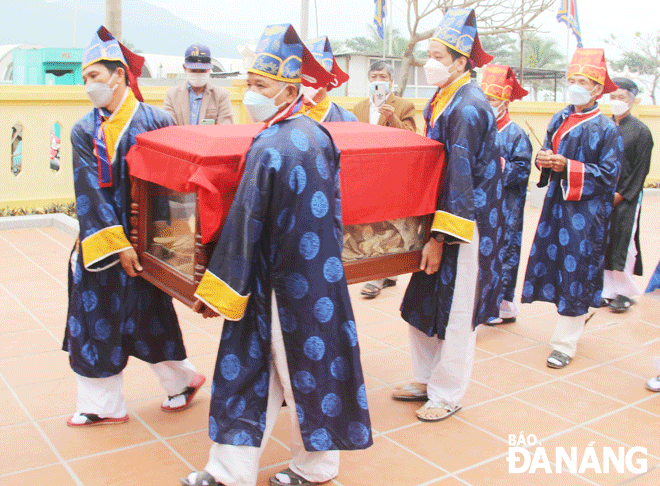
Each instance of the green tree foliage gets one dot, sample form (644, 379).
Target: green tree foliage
(538, 52)
(503, 47)
(373, 44)
(541, 53)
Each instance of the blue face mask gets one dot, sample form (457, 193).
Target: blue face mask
(260, 107)
(579, 96)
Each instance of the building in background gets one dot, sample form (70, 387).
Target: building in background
(30, 64)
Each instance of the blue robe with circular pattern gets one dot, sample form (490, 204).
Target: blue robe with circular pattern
(112, 316)
(654, 283)
(284, 234)
(471, 190)
(337, 114)
(566, 260)
(517, 152)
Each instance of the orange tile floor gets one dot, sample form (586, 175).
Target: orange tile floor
(598, 400)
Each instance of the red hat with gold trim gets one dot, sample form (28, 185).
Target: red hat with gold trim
(590, 63)
(499, 82)
(458, 31)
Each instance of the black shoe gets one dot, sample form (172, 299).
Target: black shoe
(604, 302)
(621, 303)
(501, 320)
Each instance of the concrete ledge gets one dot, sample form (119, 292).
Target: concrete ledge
(62, 222)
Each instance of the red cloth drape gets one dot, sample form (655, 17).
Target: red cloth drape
(386, 173)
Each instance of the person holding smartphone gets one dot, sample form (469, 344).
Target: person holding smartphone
(198, 101)
(383, 107)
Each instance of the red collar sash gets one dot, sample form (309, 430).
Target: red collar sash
(292, 110)
(572, 121)
(503, 121)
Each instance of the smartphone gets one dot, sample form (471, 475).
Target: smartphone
(380, 94)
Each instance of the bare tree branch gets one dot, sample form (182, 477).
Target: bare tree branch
(494, 17)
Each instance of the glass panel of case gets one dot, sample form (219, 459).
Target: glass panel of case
(171, 229)
(384, 238)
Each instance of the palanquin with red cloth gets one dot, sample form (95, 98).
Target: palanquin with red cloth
(185, 177)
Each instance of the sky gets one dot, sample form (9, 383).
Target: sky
(341, 19)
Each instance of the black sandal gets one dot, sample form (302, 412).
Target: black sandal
(202, 478)
(621, 303)
(561, 358)
(371, 290)
(293, 479)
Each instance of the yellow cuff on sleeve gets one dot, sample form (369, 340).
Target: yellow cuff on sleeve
(221, 297)
(453, 225)
(104, 243)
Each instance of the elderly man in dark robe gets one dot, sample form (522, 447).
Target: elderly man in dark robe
(624, 257)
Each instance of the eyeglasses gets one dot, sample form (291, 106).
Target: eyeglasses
(200, 59)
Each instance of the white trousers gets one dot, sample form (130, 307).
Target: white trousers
(104, 396)
(616, 282)
(445, 366)
(567, 333)
(239, 465)
(509, 309)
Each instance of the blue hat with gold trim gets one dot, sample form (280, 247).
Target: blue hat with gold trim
(282, 56)
(322, 51)
(458, 31)
(102, 50)
(104, 47)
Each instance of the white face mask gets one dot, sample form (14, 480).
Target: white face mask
(100, 94)
(260, 107)
(496, 110)
(197, 80)
(378, 90)
(577, 95)
(437, 73)
(309, 93)
(619, 107)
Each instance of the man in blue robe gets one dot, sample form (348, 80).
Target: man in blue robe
(653, 384)
(580, 164)
(460, 285)
(500, 86)
(317, 104)
(276, 277)
(114, 314)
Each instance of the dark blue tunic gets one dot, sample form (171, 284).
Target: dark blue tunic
(654, 283)
(471, 192)
(112, 316)
(517, 152)
(336, 113)
(284, 234)
(565, 264)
